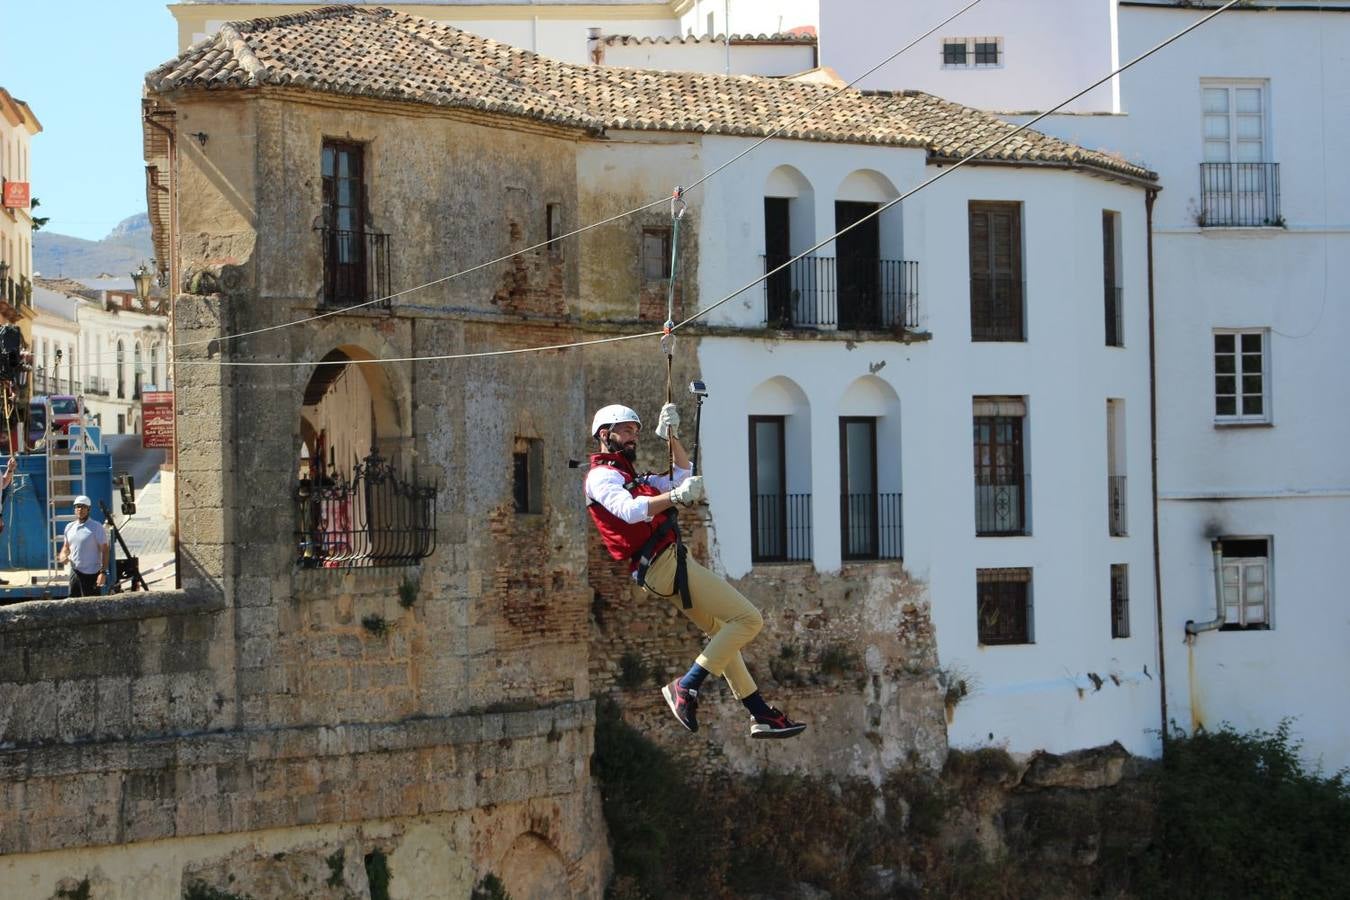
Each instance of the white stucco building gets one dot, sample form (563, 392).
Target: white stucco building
(120, 347)
(1242, 120)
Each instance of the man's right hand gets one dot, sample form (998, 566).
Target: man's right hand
(688, 492)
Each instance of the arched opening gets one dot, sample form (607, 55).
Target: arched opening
(154, 367)
(137, 373)
(121, 371)
(356, 503)
(873, 281)
(789, 228)
(780, 472)
(870, 508)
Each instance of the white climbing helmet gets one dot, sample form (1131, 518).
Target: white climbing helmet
(613, 415)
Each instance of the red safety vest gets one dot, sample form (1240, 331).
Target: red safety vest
(624, 540)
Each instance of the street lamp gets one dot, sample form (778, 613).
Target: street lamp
(143, 278)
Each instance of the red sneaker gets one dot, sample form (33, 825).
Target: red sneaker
(683, 703)
(775, 725)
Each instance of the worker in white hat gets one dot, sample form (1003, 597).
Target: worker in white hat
(86, 549)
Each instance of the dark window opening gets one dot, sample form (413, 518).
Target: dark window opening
(1111, 279)
(355, 258)
(986, 53)
(859, 264)
(1003, 606)
(527, 475)
(954, 53)
(858, 479)
(777, 251)
(553, 228)
(1120, 600)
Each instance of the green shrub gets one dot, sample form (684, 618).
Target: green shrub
(1239, 816)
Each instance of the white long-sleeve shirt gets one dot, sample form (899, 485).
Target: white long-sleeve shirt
(604, 485)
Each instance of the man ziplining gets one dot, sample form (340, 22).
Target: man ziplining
(636, 515)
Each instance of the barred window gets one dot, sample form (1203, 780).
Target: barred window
(954, 53)
(1003, 606)
(1120, 600)
(972, 52)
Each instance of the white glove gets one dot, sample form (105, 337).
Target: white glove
(689, 491)
(668, 424)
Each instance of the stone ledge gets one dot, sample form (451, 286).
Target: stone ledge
(35, 615)
(300, 742)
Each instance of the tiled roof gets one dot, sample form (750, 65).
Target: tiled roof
(379, 53)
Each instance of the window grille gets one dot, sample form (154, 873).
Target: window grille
(374, 518)
(1120, 600)
(1003, 606)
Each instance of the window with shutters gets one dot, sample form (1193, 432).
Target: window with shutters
(1003, 606)
(1001, 480)
(355, 257)
(1241, 383)
(1246, 583)
(656, 253)
(996, 287)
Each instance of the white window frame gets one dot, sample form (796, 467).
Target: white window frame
(970, 43)
(1232, 85)
(1238, 417)
(1241, 574)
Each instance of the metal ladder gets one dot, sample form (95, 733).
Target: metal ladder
(65, 480)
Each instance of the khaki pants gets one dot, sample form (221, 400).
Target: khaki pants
(719, 610)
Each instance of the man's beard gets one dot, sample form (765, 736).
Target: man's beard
(614, 445)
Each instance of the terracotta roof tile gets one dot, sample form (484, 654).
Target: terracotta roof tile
(375, 52)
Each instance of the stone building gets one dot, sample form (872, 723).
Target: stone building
(394, 616)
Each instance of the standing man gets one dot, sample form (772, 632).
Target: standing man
(86, 549)
(636, 518)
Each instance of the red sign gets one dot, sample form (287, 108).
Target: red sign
(16, 195)
(157, 419)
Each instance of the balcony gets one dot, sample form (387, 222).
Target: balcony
(1242, 195)
(97, 386)
(1001, 508)
(807, 294)
(1115, 326)
(355, 268)
(373, 519)
(780, 528)
(996, 308)
(871, 526)
(1115, 506)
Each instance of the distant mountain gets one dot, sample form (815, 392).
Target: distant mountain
(126, 247)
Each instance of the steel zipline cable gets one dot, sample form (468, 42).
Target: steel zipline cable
(802, 116)
(726, 299)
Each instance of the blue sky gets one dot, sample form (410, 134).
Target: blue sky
(79, 65)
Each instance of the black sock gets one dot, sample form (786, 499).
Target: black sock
(755, 703)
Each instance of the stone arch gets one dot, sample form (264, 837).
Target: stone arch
(348, 409)
(533, 869)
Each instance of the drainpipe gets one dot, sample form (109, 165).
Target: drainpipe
(595, 46)
(1193, 627)
(1151, 195)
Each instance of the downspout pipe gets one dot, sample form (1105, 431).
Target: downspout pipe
(1150, 195)
(1193, 627)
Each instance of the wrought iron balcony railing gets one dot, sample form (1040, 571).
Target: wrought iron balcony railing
(1001, 508)
(780, 527)
(871, 526)
(355, 267)
(820, 291)
(1115, 506)
(1115, 325)
(374, 518)
(996, 308)
(97, 385)
(1240, 194)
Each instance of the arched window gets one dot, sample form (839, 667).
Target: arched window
(121, 371)
(138, 373)
(154, 367)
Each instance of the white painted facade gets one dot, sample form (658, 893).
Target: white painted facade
(1284, 476)
(754, 57)
(55, 329)
(1041, 45)
(1035, 695)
